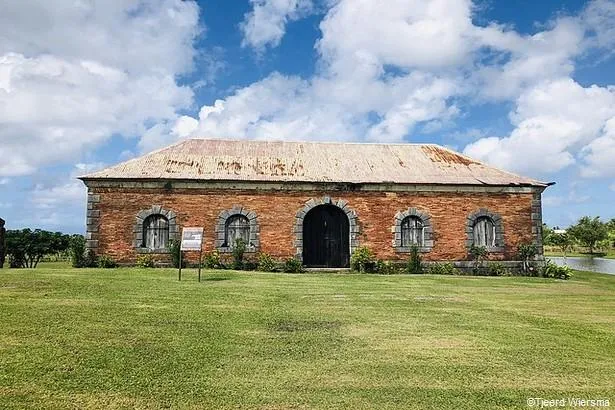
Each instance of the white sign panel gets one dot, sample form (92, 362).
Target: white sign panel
(192, 239)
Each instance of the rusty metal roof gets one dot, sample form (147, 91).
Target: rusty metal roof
(277, 161)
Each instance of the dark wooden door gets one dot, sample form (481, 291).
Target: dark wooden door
(326, 236)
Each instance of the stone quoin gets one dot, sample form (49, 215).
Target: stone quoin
(316, 202)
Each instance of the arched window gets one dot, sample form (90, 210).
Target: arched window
(484, 232)
(412, 232)
(237, 227)
(156, 232)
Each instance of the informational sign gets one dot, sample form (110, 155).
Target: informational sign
(192, 239)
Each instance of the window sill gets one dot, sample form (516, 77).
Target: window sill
(408, 249)
(228, 249)
(149, 251)
(493, 249)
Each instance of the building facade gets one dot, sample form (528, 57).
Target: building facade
(317, 202)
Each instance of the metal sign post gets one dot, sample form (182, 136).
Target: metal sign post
(192, 240)
(200, 262)
(180, 264)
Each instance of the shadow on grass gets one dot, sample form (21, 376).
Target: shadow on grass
(216, 279)
(304, 325)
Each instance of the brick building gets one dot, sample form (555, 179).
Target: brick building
(314, 201)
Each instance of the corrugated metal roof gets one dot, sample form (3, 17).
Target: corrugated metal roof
(277, 161)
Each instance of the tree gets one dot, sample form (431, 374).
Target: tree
(26, 247)
(563, 241)
(610, 225)
(547, 234)
(2, 243)
(589, 231)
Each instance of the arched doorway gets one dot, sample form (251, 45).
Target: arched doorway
(326, 238)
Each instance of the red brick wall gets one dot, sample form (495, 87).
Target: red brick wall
(276, 215)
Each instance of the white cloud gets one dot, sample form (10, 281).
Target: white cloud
(369, 85)
(355, 95)
(74, 73)
(58, 203)
(265, 25)
(70, 191)
(599, 17)
(553, 121)
(402, 34)
(599, 155)
(529, 60)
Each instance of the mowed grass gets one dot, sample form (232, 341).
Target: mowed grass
(609, 255)
(138, 338)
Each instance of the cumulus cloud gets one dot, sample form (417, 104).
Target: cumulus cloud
(599, 155)
(265, 25)
(366, 88)
(74, 73)
(553, 121)
(372, 85)
(528, 60)
(54, 203)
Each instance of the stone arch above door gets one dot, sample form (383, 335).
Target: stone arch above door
(353, 221)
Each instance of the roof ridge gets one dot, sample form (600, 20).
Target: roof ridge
(316, 142)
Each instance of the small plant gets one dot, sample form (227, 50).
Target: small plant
(527, 252)
(212, 260)
(77, 251)
(363, 260)
(386, 268)
(293, 265)
(414, 262)
(176, 253)
(146, 261)
(238, 251)
(443, 269)
(478, 255)
(498, 269)
(266, 263)
(250, 263)
(106, 262)
(90, 260)
(551, 270)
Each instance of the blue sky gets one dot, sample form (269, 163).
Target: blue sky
(526, 86)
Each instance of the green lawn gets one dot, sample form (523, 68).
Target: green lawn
(131, 338)
(609, 255)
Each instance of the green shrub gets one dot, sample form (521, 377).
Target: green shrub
(443, 269)
(91, 260)
(551, 270)
(145, 261)
(498, 269)
(478, 255)
(414, 262)
(238, 251)
(176, 253)
(77, 251)
(363, 260)
(527, 252)
(386, 268)
(266, 263)
(212, 260)
(106, 262)
(250, 263)
(293, 265)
